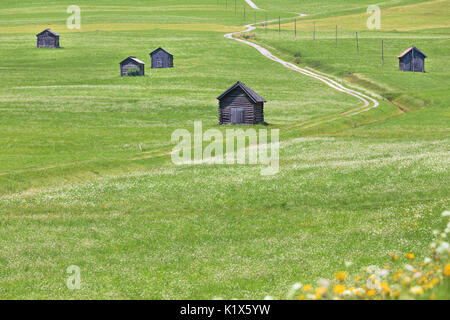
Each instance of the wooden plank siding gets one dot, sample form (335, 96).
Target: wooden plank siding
(47, 39)
(237, 98)
(161, 59)
(412, 59)
(129, 63)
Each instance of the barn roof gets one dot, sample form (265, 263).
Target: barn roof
(409, 49)
(160, 49)
(249, 92)
(134, 59)
(49, 31)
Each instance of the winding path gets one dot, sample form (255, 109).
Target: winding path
(368, 102)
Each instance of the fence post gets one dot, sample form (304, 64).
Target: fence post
(357, 44)
(314, 30)
(279, 25)
(295, 28)
(336, 36)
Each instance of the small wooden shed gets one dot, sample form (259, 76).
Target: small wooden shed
(47, 39)
(161, 58)
(241, 105)
(130, 63)
(412, 59)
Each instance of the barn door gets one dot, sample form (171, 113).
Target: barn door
(237, 115)
(159, 63)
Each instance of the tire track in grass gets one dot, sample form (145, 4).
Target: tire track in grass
(368, 102)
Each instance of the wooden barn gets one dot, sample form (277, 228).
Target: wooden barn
(412, 59)
(131, 63)
(47, 39)
(161, 58)
(240, 105)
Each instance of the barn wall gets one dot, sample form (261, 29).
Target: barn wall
(259, 112)
(162, 60)
(47, 41)
(406, 62)
(128, 65)
(236, 98)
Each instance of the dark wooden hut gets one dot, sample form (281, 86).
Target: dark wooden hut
(412, 59)
(240, 105)
(131, 63)
(47, 39)
(161, 58)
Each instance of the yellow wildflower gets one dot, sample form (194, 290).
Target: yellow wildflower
(385, 288)
(317, 296)
(321, 290)
(410, 256)
(447, 270)
(301, 297)
(339, 288)
(434, 281)
(396, 293)
(416, 290)
(423, 280)
(358, 277)
(341, 275)
(307, 287)
(371, 292)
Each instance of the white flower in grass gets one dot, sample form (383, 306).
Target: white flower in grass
(417, 275)
(444, 247)
(372, 269)
(445, 213)
(323, 283)
(382, 273)
(416, 290)
(311, 296)
(268, 298)
(433, 245)
(348, 263)
(409, 267)
(347, 293)
(427, 260)
(294, 288)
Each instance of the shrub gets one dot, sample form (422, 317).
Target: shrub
(133, 72)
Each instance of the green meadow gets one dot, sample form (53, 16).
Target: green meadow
(75, 188)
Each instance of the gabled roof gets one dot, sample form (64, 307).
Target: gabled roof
(49, 31)
(160, 49)
(134, 59)
(249, 92)
(409, 49)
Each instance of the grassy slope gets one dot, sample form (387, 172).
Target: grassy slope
(141, 228)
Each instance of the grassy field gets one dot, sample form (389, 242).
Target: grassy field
(76, 190)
